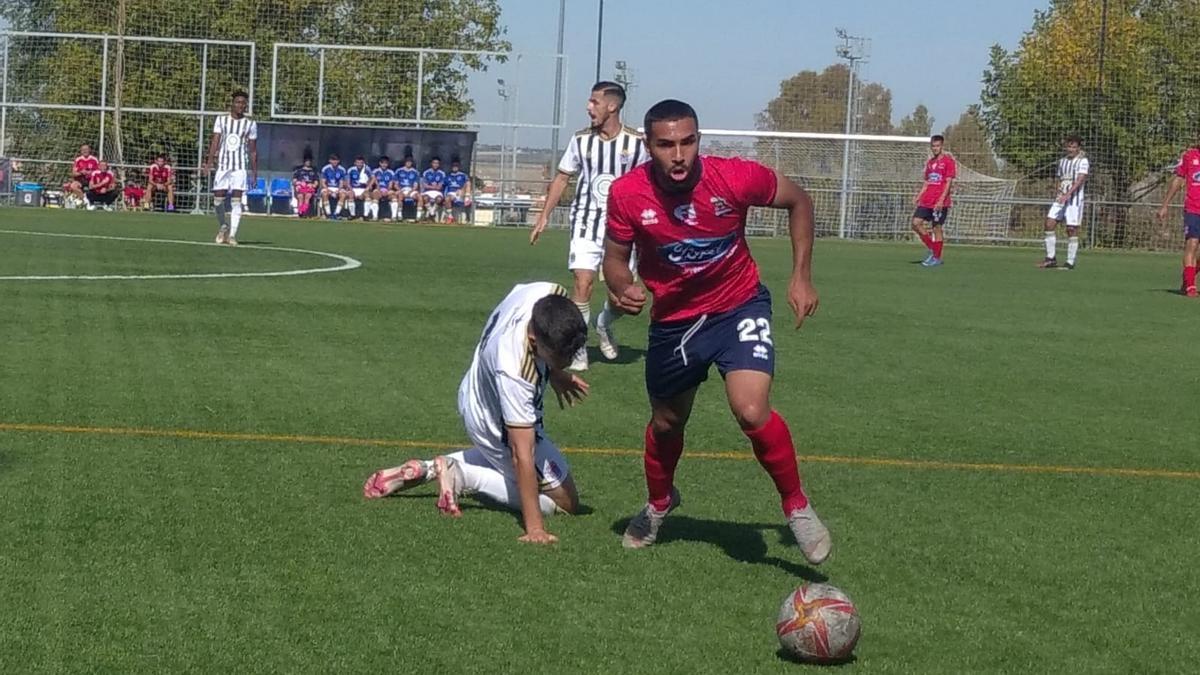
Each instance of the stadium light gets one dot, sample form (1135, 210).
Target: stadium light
(854, 50)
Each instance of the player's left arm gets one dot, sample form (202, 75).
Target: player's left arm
(802, 295)
(252, 142)
(1079, 180)
(951, 176)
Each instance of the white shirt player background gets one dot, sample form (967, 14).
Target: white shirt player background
(505, 383)
(596, 163)
(235, 136)
(1070, 169)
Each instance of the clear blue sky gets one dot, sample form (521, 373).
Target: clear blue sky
(727, 58)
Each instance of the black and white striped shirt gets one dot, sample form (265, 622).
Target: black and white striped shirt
(235, 136)
(598, 162)
(1069, 169)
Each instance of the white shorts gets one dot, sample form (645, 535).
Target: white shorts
(407, 192)
(453, 197)
(586, 254)
(1072, 214)
(358, 192)
(552, 469)
(229, 180)
(433, 194)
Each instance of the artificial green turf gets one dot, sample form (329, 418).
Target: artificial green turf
(154, 554)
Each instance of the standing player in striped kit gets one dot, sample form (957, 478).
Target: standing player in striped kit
(599, 154)
(235, 138)
(1068, 205)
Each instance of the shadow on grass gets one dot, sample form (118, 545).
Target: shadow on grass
(1171, 291)
(785, 656)
(743, 542)
(254, 242)
(625, 356)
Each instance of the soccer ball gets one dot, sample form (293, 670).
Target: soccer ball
(818, 623)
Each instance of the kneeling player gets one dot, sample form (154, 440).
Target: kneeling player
(528, 341)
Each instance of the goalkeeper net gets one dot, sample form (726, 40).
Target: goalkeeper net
(863, 186)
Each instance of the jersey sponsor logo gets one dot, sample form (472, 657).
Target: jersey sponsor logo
(686, 214)
(649, 217)
(697, 253)
(935, 177)
(720, 207)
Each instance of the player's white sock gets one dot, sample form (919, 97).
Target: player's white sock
(1072, 249)
(1051, 242)
(585, 308)
(607, 316)
(235, 218)
(479, 478)
(329, 207)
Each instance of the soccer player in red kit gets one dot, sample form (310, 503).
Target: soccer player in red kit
(933, 201)
(686, 214)
(160, 177)
(81, 172)
(1187, 173)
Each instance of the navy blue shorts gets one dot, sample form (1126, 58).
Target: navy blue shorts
(931, 216)
(1191, 225)
(680, 352)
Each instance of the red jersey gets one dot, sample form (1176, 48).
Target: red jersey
(937, 171)
(1189, 170)
(101, 179)
(693, 254)
(85, 165)
(159, 174)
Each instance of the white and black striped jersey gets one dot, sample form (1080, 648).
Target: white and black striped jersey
(236, 133)
(1069, 169)
(596, 163)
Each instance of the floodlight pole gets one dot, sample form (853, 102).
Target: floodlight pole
(853, 50)
(599, 38)
(558, 85)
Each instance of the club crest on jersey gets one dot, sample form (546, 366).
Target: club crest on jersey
(697, 253)
(649, 217)
(720, 207)
(686, 214)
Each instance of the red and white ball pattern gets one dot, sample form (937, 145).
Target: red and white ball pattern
(818, 623)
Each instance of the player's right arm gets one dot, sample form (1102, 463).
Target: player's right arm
(521, 440)
(553, 194)
(1176, 185)
(213, 144)
(623, 290)
(568, 166)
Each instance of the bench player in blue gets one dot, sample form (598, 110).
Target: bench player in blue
(458, 190)
(433, 180)
(408, 187)
(333, 186)
(359, 177)
(382, 177)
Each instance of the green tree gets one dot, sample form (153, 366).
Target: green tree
(967, 140)
(167, 75)
(1134, 119)
(812, 101)
(916, 123)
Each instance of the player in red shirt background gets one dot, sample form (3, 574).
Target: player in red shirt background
(160, 177)
(1187, 173)
(81, 172)
(686, 214)
(933, 201)
(102, 188)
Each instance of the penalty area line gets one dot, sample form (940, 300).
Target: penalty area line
(191, 434)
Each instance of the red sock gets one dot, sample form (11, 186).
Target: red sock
(662, 455)
(775, 452)
(937, 249)
(927, 240)
(1189, 277)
